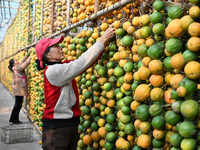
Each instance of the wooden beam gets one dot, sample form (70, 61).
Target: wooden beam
(6, 18)
(20, 33)
(68, 12)
(41, 23)
(34, 18)
(52, 16)
(12, 1)
(22, 30)
(28, 22)
(96, 6)
(10, 7)
(15, 41)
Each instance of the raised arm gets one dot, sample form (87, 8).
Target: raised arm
(23, 65)
(25, 58)
(61, 74)
(108, 34)
(104, 39)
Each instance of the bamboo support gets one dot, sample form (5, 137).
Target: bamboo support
(68, 12)
(19, 27)
(25, 98)
(0, 66)
(0, 72)
(52, 16)
(2, 45)
(41, 24)
(15, 42)
(12, 1)
(28, 22)
(22, 31)
(18, 36)
(96, 6)
(34, 19)
(11, 45)
(92, 17)
(9, 7)
(4, 62)
(5, 48)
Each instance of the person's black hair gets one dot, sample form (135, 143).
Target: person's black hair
(11, 63)
(44, 60)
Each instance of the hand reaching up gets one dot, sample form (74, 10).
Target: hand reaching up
(108, 34)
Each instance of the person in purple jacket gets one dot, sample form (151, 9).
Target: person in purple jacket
(62, 113)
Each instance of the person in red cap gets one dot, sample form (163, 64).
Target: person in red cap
(62, 113)
(19, 86)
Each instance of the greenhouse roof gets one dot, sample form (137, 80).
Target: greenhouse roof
(8, 11)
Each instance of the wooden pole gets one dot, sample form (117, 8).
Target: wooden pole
(41, 24)
(3, 75)
(17, 36)
(34, 15)
(21, 31)
(3, 56)
(19, 25)
(15, 42)
(28, 22)
(10, 42)
(5, 47)
(25, 98)
(2, 46)
(52, 16)
(1, 63)
(96, 6)
(5, 51)
(68, 12)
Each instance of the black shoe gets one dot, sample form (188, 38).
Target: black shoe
(19, 122)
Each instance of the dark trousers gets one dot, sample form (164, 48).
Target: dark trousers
(16, 109)
(64, 138)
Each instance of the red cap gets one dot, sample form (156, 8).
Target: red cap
(43, 44)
